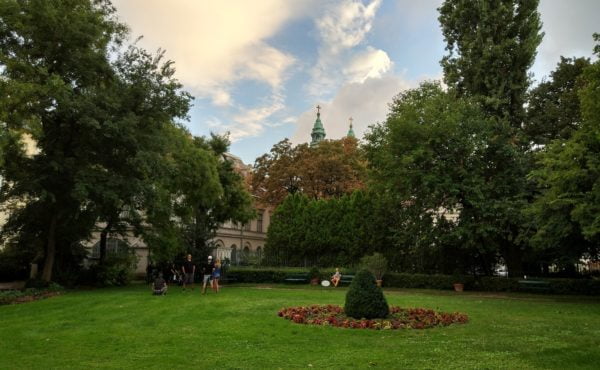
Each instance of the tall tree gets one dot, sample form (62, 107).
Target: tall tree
(54, 63)
(491, 45)
(432, 156)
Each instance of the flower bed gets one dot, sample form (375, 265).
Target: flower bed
(29, 295)
(399, 318)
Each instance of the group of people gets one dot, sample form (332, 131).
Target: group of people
(211, 273)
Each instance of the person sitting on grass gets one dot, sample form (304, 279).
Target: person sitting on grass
(335, 279)
(160, 285)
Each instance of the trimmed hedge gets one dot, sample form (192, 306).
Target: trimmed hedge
(423, 281)
(365, 299)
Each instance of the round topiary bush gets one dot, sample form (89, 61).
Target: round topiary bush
(365, 298)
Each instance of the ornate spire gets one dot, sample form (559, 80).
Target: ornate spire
(318, 131)
(351, 131)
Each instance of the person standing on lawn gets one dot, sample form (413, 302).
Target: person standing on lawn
(189, 269)
(216, 275)
(207, 270)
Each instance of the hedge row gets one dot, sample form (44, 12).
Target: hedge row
(422, 281)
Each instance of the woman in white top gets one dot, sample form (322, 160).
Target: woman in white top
(335, 279)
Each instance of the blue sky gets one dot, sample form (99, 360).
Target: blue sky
(258, 68)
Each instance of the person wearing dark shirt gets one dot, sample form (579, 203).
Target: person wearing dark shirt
(207, 270)
(188, 269)
(160, 285)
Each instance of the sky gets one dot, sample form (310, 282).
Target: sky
(258, 68)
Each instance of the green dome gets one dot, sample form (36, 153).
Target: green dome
(318, 131)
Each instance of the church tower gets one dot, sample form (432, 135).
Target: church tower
(318, 131)
(351, 131)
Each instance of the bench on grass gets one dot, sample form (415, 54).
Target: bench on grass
(297, 278)
(346, 279)
(228, 279)
(534, 285)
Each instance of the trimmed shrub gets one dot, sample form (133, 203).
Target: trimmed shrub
(365, 299)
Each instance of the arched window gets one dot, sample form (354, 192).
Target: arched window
(259, 253)
(113, 246)
(234, 255)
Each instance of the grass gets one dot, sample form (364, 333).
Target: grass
(239, 328)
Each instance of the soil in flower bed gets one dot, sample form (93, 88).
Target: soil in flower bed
(20, 297)
(399, 318)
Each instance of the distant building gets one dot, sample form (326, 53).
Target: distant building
(318, 131)
(238, 243)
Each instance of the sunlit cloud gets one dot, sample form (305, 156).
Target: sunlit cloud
(371, 63)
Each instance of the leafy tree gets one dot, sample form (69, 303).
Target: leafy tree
(275, 174)
(54, 63)
(436, 155)
(287, 231)
(491, 45)
(567, 211)
(365, 299)
(331, 169)
(553, 110)
(109, 151)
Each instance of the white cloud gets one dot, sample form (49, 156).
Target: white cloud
(568, 27)
(346, 24)
(370, 64)
(251, 122)
(215, 43)
(367, 103)
(342, 27)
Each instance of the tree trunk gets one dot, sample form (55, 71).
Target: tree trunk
(50, 250)
(514, 263)
(104, 240)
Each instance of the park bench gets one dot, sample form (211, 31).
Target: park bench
(228, 279)
(346, 279)
(534, 285)
(297, 278)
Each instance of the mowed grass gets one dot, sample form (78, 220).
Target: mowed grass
(239, 328)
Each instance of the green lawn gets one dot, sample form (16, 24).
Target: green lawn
(239, 328)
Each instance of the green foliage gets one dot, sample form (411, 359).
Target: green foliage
(567, 212)
(328, 232)
(365, 299)
(102, 118)
(55, 74)
(491, 46)
(117, 270)
(314, 273)
(376, 263)
(553, 110)
(440, 156)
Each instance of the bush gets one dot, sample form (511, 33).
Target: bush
(117, 270)
(365, 299)
(376, 263)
